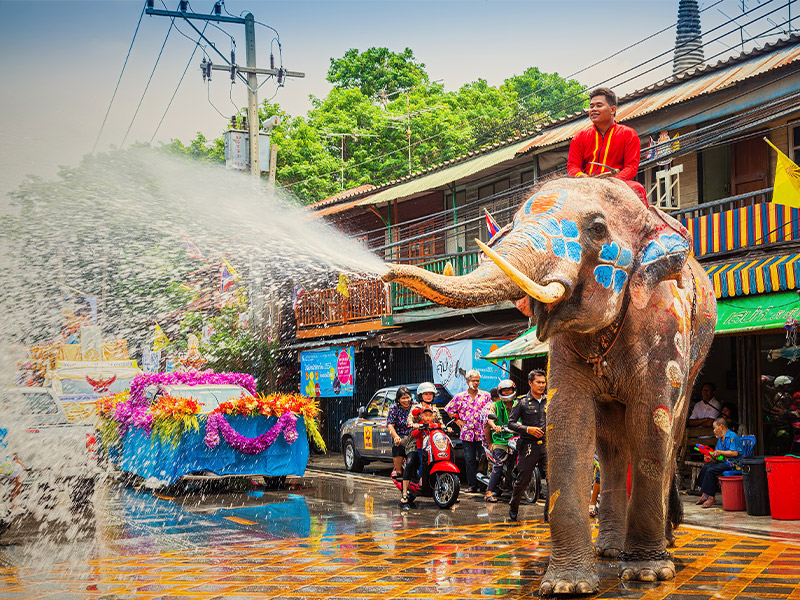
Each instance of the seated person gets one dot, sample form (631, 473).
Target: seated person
(729, 445)
(606, 148)
(729, 413)
(708, 409)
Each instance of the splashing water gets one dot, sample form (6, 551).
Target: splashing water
(126, 227)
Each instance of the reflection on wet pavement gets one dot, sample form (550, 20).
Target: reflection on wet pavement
(477, 561)
(343, 537)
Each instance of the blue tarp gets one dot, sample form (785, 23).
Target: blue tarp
(149, 457)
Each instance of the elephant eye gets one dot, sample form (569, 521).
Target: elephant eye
(598, 229)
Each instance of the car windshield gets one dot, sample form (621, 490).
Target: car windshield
(32, 403)
(209, 397)
(100, 386)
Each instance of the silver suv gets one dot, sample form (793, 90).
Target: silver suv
(366, 438)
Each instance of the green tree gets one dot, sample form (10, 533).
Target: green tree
(547, 93)
(377, 69)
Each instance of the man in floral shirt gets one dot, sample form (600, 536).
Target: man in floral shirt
(469, 410)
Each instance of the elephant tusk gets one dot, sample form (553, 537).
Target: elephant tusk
(547, 294)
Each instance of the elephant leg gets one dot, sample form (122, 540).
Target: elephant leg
(614, 459)
(645, 557)
(570, 449)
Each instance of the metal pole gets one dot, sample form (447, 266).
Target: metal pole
(341, 181)
(252, 96)
(408, 130)
(273, 164)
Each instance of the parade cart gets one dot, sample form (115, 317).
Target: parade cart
(205, 425)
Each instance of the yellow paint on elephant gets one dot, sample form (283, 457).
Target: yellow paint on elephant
(650, 468)
(674, 374)
(548, 428)
(662, 420)
(551, 393)
(553, 498)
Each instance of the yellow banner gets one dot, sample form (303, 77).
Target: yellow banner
(161, 340)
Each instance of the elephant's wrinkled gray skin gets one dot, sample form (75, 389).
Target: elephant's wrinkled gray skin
(624, 269)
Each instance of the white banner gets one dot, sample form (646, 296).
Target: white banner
(450, 364)
(452, 361)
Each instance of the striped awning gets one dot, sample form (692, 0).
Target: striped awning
(755, 276)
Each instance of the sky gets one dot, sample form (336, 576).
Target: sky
(63, 59)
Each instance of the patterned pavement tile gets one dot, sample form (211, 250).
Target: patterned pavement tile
(466, 562)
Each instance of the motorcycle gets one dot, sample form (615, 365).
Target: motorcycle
(506, 484)
(440, 479)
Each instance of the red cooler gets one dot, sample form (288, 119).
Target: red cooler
(783, 477)
(732, 493)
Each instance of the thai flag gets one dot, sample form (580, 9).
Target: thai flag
(491, 224)
(227, 277)
(192, 251)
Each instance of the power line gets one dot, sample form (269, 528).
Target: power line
(579, 97)
(114, 95)
(180, 81)
(533, 93)
(158, 58)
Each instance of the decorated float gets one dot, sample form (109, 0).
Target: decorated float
(203, 424)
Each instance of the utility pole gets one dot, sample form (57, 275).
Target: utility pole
(341, 137)
(229, 66)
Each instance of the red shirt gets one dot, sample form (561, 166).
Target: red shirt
(619, 149)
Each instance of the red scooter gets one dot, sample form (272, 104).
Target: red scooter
(440, 476)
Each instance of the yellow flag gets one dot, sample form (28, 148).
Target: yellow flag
(160, 340)
(787, 180)
(341, 287)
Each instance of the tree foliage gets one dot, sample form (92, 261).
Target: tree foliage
(385, 118)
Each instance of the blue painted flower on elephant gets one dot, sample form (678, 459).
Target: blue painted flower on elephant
(614, 274)
(666, 243)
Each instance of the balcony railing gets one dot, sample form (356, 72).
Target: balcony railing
(740, 222)
(367, 299)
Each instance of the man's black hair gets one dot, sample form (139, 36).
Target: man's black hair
(536, 373)
(709, 383)
(494, 393)
(721, 421)
(611, 97)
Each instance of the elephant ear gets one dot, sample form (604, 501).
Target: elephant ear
(662, 256)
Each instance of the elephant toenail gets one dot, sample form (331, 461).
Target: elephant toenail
(626, 575)
(546, 589)
(564, 587)
(648, 575)
(666, 573)
(584, 587)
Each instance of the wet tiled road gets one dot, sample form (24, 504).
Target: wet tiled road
(472, 561)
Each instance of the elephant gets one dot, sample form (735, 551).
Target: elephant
(630, 316)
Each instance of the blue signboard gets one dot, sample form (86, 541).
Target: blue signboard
(451, 362)
(327, 373)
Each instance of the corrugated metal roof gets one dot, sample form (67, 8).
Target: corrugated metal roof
(525, 346)
(449, 333)
(670, 91)
(446, 175)
(341, 196)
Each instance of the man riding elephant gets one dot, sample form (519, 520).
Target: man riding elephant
(630, 317)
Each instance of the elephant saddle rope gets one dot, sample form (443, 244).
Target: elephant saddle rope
(606, 338)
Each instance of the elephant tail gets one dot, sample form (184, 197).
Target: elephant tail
(674, 511)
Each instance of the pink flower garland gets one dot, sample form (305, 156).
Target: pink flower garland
(216, 424)
(141, 382)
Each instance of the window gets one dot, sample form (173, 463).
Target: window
(375, 406)
(527, 176)
(794, 144)
(668, 188)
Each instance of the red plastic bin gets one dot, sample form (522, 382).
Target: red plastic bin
(783, 480)
(732, 492)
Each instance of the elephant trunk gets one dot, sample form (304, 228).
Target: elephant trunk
(485, 285)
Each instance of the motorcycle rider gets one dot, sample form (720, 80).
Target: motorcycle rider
(496, 438)
(414, 454)
(528, 419)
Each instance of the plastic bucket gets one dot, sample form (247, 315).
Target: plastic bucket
(783, 475)
(756, 488)
(732, 492)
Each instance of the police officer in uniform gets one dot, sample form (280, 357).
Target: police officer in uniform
(527, 418)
